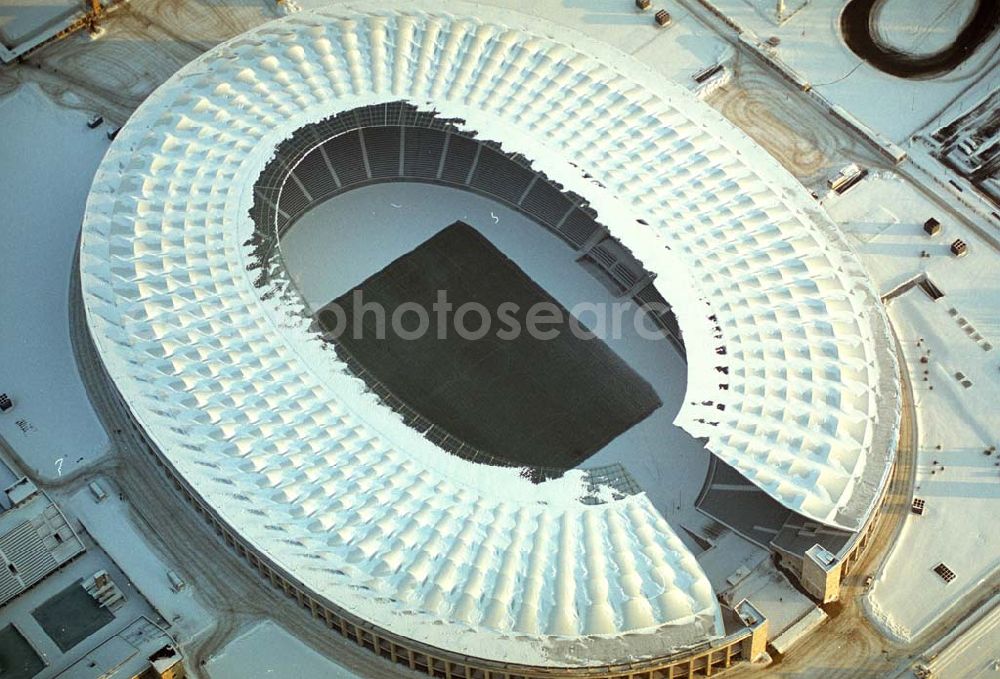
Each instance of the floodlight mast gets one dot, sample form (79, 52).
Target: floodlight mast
(95, 12)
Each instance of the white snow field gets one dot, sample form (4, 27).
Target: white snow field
(812, 46)
(922, 27)
(961, 491)
(884, 217)
(107, 522)
(268, 650)
(50, 158)
(686, 48)
(246, 405)
(971, 650)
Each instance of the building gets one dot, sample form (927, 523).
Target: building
(35, 539)
(140, 651)
(451, 567)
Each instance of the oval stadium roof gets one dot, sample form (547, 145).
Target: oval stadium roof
(791, 372)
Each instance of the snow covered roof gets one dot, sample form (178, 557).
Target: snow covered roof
(293, 453)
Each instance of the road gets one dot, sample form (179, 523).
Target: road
(848, 645)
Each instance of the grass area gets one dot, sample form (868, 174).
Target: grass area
(528, 400)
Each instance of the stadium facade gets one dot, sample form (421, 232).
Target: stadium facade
(434, 561)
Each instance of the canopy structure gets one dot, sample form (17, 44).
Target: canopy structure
(791, 373)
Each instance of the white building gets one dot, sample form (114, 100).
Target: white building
(791, 369)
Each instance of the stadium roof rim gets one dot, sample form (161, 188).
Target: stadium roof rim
(784, 329)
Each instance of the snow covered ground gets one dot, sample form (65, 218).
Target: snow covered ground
(883, 217)
(49, 157)
(267, 650)
(107, 521)
(958, 481)
(958, 334)
(965, 102)
(812, 45)
(804, 139)
(333, 248)
(922, 27)
(973, 652)
(676, 53)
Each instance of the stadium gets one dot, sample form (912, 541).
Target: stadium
(334, 149)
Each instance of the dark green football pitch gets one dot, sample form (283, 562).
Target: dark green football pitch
(529, 401)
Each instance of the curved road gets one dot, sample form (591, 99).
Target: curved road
(848, 646)
(858, 26)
